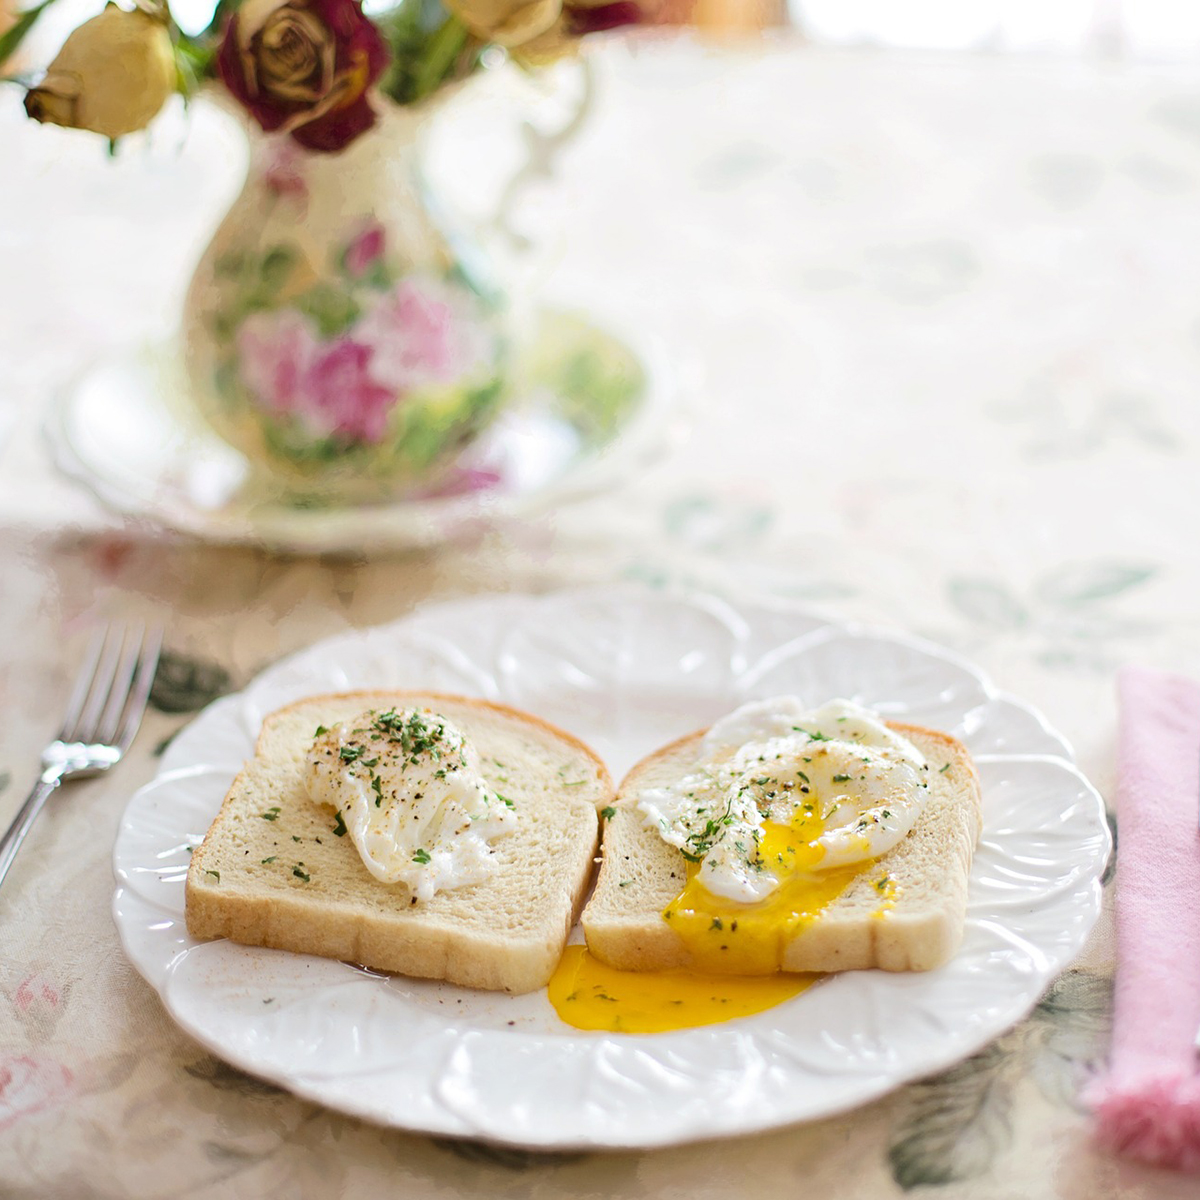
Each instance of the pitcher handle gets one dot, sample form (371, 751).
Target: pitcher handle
(542, 150)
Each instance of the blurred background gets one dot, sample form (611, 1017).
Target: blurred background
(1145, 29)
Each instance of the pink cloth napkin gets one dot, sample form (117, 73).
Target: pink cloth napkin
(1148, 1106)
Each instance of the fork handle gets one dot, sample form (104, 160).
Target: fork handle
(26, 815)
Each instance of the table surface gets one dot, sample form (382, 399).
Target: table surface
(949, 328)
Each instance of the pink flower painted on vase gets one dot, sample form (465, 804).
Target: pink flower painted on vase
(276, 351)
(31, 1084)
(339, 391)
(365, 250)
(422, 333)
(283, 172)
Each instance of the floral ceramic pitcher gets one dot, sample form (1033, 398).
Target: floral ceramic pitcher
(335, 335)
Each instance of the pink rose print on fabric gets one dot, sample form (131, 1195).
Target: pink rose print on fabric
(276, 351)
(421, 336)
(29, 1085)
(35, 991)
(365, 250)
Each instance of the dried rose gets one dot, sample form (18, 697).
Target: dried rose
(595, 16)
(506, 22)
(579, 18)
(112, 75)
(304, 67)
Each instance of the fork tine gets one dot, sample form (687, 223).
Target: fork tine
(118, 692)
(82, 684)
(85, 728)
(147, 666)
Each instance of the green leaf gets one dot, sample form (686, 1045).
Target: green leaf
(183, 684)
(193, 63)
(331, 309)
(957, 1124)
(1110, 867)
(1075, 1016)
(1085, 583)
(276, 266)
(15, 35)
(441, 53)
(509, 1158)
(987, 603)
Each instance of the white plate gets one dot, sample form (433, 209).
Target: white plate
(122, 431)
(626, 670)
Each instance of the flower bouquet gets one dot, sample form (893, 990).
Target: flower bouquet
(335, 333)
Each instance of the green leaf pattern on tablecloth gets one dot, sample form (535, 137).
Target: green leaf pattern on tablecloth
(957, 1122)
(186, 684)
(956, 1125)
(1069, 616)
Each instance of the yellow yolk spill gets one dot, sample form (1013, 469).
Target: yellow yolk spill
(589, 995)
(750, 939)
(737, 948)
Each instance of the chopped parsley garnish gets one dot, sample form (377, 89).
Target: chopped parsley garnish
(339, 828)
(269, 860)
(272, 814)
(943, 770)
(505, 800)
(349, 754)
(377, 788)
(295, 838)
(422, 857)
(320, 730)
(300, 873)
(841, 779)
(716, 923)
(625, 883)
(608, 812)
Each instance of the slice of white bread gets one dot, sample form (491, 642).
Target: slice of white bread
(272, 872)
(922, 928)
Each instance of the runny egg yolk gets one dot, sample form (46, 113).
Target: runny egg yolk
(589, 995)
(724, 936)
(736, 949)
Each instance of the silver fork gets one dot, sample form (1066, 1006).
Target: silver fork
(102, 719)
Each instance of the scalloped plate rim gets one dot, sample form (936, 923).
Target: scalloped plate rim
(1086, 898)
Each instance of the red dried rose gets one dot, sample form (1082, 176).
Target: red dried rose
(304, 67)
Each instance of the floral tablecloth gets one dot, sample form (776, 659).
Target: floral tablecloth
(947, 315)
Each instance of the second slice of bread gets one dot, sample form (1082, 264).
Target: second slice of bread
(919, 929)
(272, 871)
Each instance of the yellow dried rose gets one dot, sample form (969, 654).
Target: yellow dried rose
(506, 22)
(112, 75)
(555, 43)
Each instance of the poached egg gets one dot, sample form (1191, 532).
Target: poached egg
(407, 787)
(783, 809)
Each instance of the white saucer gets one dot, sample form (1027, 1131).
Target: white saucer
(596, 411)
